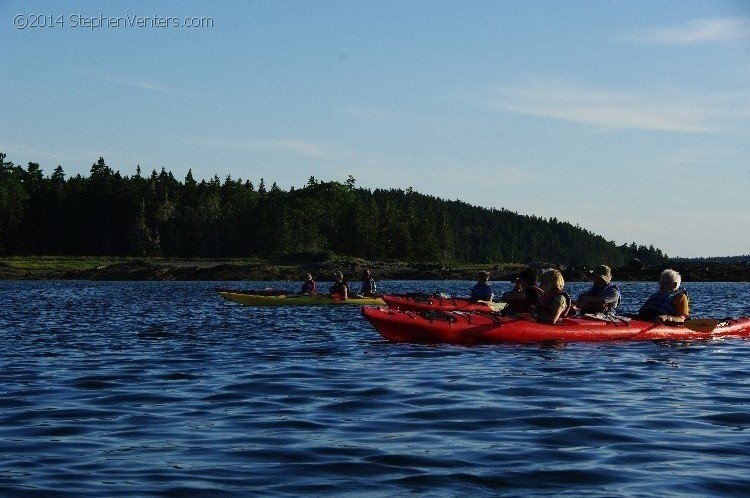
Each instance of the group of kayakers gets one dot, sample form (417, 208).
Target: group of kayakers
(340, 287)
(545, 298)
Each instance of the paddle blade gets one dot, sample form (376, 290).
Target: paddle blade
(701, 325)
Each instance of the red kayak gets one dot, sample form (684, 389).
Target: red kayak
(419, 302)
(459, 327)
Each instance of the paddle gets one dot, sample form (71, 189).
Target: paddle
(701, 324)
(607, 318)
(498, 306)
(696, 325)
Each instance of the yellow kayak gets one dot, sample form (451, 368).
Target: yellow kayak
(297, 300)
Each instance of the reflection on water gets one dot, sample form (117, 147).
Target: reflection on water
(164, 389)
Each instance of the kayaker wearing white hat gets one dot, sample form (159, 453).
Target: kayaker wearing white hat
(669, 303)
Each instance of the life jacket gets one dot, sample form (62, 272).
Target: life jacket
(544, 303)
(525, 305)
(602, 292)
(338, 288)
(308, 287)
(660, 303)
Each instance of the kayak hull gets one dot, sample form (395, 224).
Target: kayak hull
(436, 303)
(297, 300)
(458, 327)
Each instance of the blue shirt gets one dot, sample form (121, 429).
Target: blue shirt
(482, 291)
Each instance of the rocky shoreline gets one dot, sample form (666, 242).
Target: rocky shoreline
(224, 271)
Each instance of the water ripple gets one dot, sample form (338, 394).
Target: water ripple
(164, 389)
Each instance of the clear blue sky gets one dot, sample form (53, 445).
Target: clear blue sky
(628, 118)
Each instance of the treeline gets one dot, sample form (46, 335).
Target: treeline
(108, 214)
(717, 259)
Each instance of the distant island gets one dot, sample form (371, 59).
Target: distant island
(159, 216)
(156, 227)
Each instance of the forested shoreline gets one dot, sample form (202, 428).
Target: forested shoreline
(108, 214)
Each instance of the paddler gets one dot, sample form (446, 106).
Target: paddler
(668, 304)
(339, 289)
(368, 284)
(555, 304)
(525, 293)
(603, 296)
(308, 286)
(482, 290)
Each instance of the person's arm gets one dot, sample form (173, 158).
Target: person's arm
(682, 304)
(683, 311)
(487, 293)
(517, 293)
(558, 306)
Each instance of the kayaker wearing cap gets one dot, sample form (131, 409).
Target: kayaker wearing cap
(603, 296)
(482, 290)
(667, 304)
(525, 293)
(339, 289)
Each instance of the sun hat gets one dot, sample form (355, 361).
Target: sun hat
(603, 272)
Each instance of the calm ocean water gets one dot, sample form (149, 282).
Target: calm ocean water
(164, 389)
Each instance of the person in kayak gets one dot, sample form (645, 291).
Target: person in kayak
(668, 304)
(525, 293)
(603, 296)
(555, 303)
(368, 284)
(339, 289)
(308, 286)
(482, 290)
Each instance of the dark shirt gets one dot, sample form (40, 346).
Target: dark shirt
(368, 287)
(338, 288)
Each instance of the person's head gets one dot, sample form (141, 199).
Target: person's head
(602, 275)
(552, 280)
(308, 276)
(483, 276)
(528, 276)
(669, 280)
(366, 273)
(338, 276)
